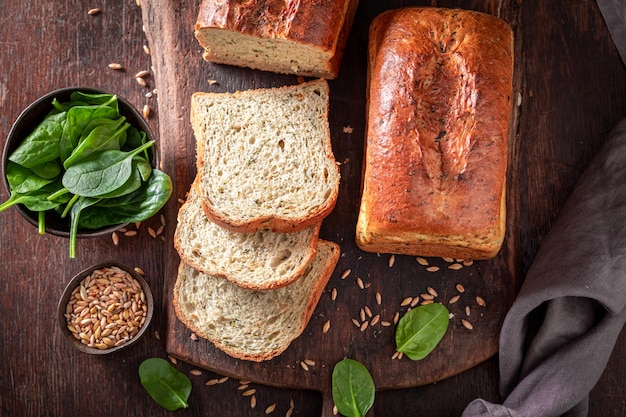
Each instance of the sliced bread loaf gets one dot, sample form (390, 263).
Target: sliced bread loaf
(264, 157)
(260, 260)
(249, 324)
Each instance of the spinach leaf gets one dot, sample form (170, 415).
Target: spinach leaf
(169, 387)
(95, 99)
(421, 329)
(101, 173)
(80, 204)
(107, 135)
(49, 170)
(134, 207)
(353, 388)
(36, 200)
(42, 145)
(134, 139)
(23, 180)
(78, 119)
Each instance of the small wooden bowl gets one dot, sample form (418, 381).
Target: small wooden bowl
(68, 294)
(30, 118)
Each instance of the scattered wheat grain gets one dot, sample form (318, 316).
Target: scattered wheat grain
(467, 324)
(406, 301)
(480, 301)
(454, 299)
(422, 261)
(432, 268)
(326, 326)
(392, 260)
(360, 283)
(345, 273)
(460, 288)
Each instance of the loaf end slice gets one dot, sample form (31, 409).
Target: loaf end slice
(249, 324)
(265, 158)
(261, 260)
(303, 38)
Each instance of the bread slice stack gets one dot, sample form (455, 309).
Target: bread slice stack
(252, 264)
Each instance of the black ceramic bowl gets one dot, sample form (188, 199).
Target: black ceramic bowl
(93, 321)
(30, 118)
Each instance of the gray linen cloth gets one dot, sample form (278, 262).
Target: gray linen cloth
(559, 333)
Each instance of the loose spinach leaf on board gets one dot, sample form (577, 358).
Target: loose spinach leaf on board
(353, 388)
(134, 207)
(42, 145)
(169, 387)
(101, 173)
(421, 329)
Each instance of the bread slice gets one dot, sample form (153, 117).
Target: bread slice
(303, 38)
(265, 158)
(261, 260)
(248, 324)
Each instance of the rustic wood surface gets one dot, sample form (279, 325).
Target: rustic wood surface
(571, 83)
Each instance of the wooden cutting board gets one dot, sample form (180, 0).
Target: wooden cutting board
(362, 282)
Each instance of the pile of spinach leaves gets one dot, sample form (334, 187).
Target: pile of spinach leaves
(89, 164)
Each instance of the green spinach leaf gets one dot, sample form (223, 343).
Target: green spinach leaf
(42, 145)
(134, 207)
(36, 200)
(107, 135)
(421, 329)
(80, 204)
(169, 387)
(79, 119)
(23, 180)
(101, 173)
(353, 388)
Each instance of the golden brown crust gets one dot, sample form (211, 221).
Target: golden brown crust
(322, 24)
(439, 100)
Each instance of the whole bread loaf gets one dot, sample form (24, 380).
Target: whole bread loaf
(249, 324)
(262, 260)
(292, 37)
(264, 157)
(439, 106)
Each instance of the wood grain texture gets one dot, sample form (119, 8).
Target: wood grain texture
(572, 86)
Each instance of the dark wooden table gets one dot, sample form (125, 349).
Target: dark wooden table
(572, 87)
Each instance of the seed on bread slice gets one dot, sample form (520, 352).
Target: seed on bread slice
(249, 324)
(264, 157)
(261, 260)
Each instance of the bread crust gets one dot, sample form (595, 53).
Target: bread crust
(439, 106)
(307, 312)
(321, 24)
(277, 280)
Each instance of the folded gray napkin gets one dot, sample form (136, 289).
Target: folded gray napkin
(559, 333)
